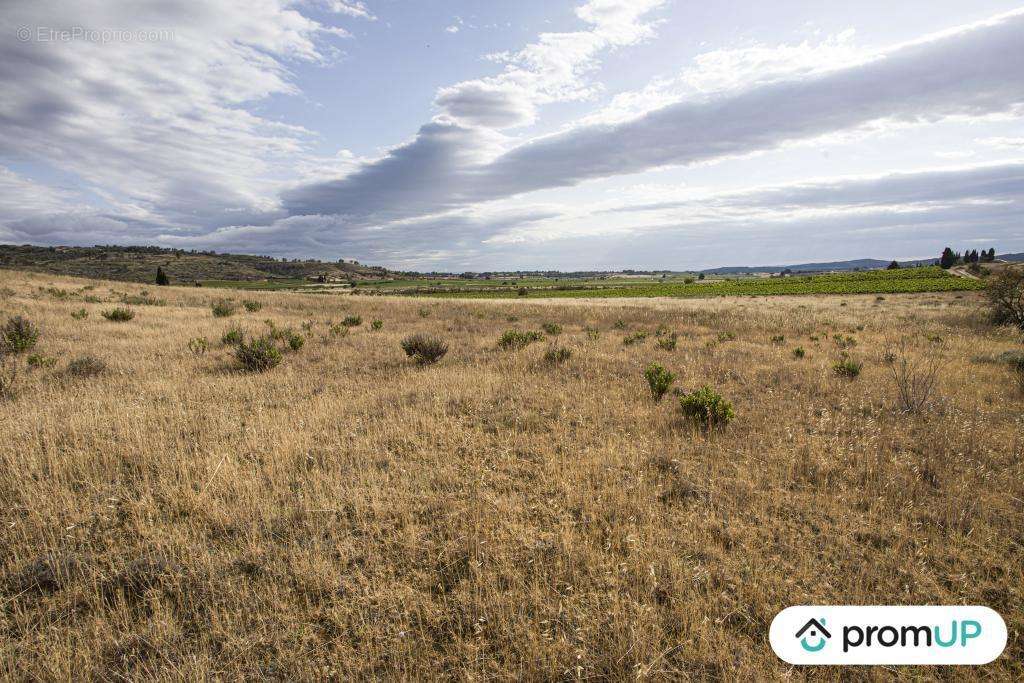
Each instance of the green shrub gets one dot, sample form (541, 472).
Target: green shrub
(842, 342)
(658, 379)
(80, 314)
(707, 408)
(847, 367)
(523, 291)
(377, 325)
(778, 339)
(619, 324)
(634, 338)
(554, 329)
(726, 336)
(295, 340)
(198, 346)
(593, 334)
(557, 355)
(233, 336)
(352, 321)
(252, 306)
(86, 366)
(662, 330)
(259, 355)
(119, 314)
(424, 312)
(425, 349)
(223, 308)
(514, 339)
(37, 360)
(667, 343)
(338, 330)
(19, 335)
(799, 352)
(142, 300)
(90, 299)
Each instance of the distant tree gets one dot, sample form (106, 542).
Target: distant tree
(988, 256)
(161, 277)
(700, 276)
(948, 258)
(893, 266)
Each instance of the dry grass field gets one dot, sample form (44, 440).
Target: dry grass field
(351, 515)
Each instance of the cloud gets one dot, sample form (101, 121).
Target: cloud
(970, 72)
(552, 69)
(160, 126)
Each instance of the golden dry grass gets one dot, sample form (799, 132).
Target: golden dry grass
(350, 515)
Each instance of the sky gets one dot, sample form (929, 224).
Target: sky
(470, 135)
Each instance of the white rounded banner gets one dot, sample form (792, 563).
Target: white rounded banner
(848, 634)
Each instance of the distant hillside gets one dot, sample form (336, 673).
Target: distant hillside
(1011, 257)
(139, 264)
(855, 264)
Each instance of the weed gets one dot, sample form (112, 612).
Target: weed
(352, 321)
(799, 352)
(86, 366)
(847, 367)
(80, 314)
(119, 314)
(554, 329)
(233, 336)
(259, 355)
(19, 334)
(668, 343)
(634, 338)
(425, 349)
(556, 355)
(198, 346)
(514, 339)
(707, 408)
(377, 325)
(223, 308)
(37, 360)
(658, 379)
(252, 306)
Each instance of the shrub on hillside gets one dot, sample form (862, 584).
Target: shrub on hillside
(847, 367)
(377, 325)
(38, 360)
(198, 346)
(658, 379)
(1005, 294)
(707, 408)
(294, 340)
(352, 321)
(514, 339)
(425, 349)
(556, 355)
(80, 314)
(222, 308)
(19, 334)
(667, 343)
(799, 352)
(554, 329)
(252, 306)
(232, 337)
(634, 338)
(119, 314)
(86, 366)
(258, 355)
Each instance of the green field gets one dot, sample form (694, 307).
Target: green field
(927, 279)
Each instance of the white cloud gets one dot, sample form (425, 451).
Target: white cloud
(552, 69)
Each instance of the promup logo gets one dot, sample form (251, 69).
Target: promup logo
(888, 635)
(817, 630)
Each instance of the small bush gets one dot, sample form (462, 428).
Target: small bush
(847, 367)
(425, 349)
(842, 342)
(726, 336)
(90, 299)
(252, 306)
(707, 408)
(338, 330)
(80, 314)
(557, 355)
(662, 330)
(259, 355)
(634, 338)
(37, 360)
(198, 346)
(667, 343)
(295, 340)
(377, 325)
(554, 329)
(86, 366)
(658, 379)
(593, 334)
(915, 377)
(424, 312)
(523, 291)
(142, 300)
(799, 352)
(352, 321)
(514, 339)
(1005, 294)
(19, 335)
(232, 337)
(119, 314)
(619, 324)
(223, 308)
(778, 339)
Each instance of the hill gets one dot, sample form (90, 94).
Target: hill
(139, 264)
(855, 264)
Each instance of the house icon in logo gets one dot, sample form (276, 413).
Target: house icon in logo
(814, 629)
